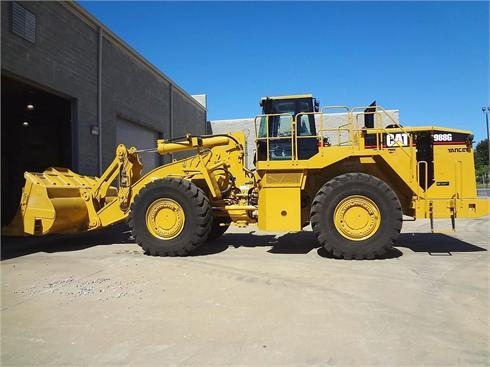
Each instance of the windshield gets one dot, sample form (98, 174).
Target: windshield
(281, 125)
(278, 126)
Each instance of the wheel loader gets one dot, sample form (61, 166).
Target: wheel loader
(354, 182)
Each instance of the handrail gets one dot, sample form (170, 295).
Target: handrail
(351, 128)
(349, 119)
(338, 129)
(379, 130)
(362, 109)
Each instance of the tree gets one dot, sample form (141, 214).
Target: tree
(481, 161)
(481, 152)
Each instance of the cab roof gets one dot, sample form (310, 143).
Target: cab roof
(292, 96)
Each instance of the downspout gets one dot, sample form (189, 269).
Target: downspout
(99, 100)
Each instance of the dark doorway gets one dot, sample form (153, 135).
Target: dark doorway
(36, 134)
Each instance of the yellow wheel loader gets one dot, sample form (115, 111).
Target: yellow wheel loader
(353, 180)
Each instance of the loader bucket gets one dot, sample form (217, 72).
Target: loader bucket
(51, 203)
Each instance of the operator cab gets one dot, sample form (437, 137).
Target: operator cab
(276, 140)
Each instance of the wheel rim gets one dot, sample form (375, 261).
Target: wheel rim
(357, 217)
(165, 219)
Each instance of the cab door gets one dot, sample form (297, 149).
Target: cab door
(279, 139)
(275, 139)
(306, 138)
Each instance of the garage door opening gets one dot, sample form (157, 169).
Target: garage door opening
(132, 134)
(36, 134)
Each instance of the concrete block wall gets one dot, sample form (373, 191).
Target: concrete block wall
(246, 125)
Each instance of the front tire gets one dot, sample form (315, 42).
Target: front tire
(356, 216)
(170, 217)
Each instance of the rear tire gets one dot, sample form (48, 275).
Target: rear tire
(356, 216)
(170, 217)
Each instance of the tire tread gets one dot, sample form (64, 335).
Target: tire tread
(328, 192)
(201, 210)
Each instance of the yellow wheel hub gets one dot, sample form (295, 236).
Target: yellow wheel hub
(357, 217)
(165, 219)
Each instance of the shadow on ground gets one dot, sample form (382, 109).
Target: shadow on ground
(290, 243)
(304, 242)
(434, 243)
(19, 246)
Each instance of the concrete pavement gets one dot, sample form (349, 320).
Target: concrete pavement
(249, 299)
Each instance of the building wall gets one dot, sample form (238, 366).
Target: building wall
(64, 60)
(132, 94)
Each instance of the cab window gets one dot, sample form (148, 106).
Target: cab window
(284, 126)
(263, 127)
(304, 125)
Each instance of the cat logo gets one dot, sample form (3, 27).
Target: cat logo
(397, 140)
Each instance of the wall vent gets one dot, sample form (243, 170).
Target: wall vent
(23, 22)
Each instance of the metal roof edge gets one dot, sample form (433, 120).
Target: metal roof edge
(436, 128)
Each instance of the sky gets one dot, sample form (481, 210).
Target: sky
(430, 60)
